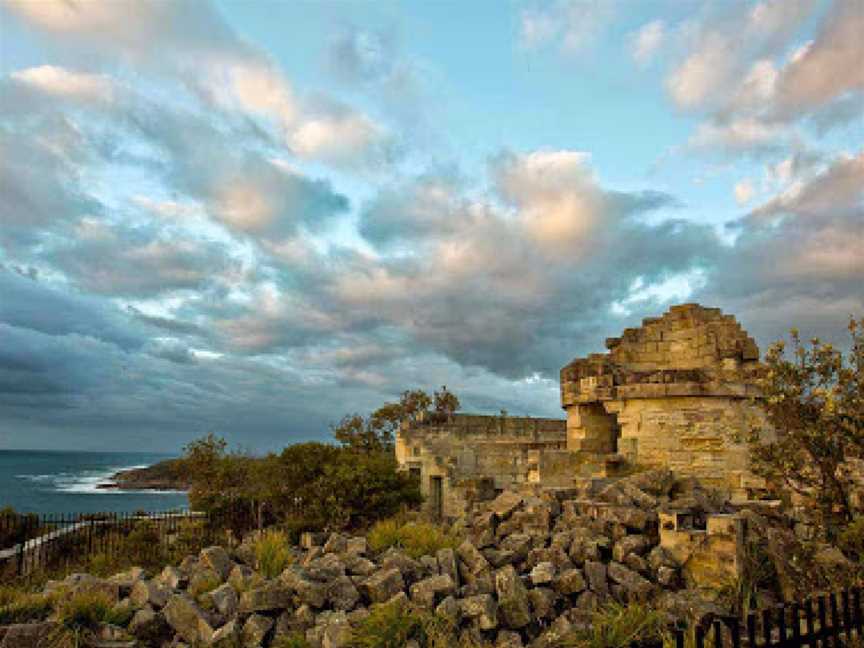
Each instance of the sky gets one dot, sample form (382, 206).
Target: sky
(254, 218)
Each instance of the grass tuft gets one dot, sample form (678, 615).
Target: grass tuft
(620, 626)
(22, 606)
(272, 553)
(414, 538)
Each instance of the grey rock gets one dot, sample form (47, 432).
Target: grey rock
(481, 608)
(255, 629)
(217, 559)
(543, 573)
(382, 585)
(270, 597)
(426, 592)
(512, 598)
(570, 581)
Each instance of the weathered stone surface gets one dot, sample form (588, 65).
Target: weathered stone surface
(505, 504)
(449, 610)
(382, 585)
(356, 546)
(149, 627)
(270, 597)
(474, 561)
(359, 566)
(637, 587)
(447, 564)
(187, 619)
(508, 639)
(311, 592)
(631, 544)
(570, 581)
(596, 574)
(228, 636)
(543, 573)
(336, 543)
(255, 629)
(217, 559)
(482, 608)
(144, 592)
(225, 599)
(426, 592)
(172, 578)
(342, 594)
(542, 601)
(512, 598)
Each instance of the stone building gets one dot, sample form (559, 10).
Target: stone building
(669, 394)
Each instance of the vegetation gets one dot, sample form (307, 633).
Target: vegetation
(272, 553)
(851, 540)
(316, 486)
(414, 538)
(815, 401)
(17, 527)
(393, 625)
(22, 606)
(82, 613)
(620, 626)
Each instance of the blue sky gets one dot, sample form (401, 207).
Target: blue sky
(253, 218)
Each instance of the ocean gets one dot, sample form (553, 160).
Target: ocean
(36, 481)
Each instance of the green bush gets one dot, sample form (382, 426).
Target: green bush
(293, 640)
(81, 614)
(620, 626)
(272, 553)
(414, 538)
(851, 540)
(387, 626)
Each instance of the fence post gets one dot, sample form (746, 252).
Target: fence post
(679, 636)
(823, 621)
(811, 624)
(796, 625)
(700, 636)
(735, 631)
(856, 610)
(766, 627)
(781, 624)
(751, 630)
(835, 619)
(718, 634)
(847, 615)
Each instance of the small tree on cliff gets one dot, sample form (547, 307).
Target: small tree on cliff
(376, 433)
(814, 398)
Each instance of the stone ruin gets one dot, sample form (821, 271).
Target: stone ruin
(670, 394)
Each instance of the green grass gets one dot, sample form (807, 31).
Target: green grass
(272, 553)
(203, 584)
(414, 538)
(22, 606)
(618, 626)
(391, 626)
(82, 613)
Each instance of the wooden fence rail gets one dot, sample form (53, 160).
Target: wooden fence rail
(823, 620)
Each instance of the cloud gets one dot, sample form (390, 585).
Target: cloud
(571, 25)
(828, 69)
(645, 42)
(744, 192)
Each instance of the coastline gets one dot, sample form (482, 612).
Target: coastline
(162, 476)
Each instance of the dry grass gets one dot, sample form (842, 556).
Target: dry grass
(414, 538)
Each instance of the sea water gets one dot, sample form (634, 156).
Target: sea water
(60, 482)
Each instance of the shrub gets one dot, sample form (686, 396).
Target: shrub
(21, 606)
(387, 626)
(82, 613)
(415, 538)
(203, 583)
(272, 553)
(851, 540)
(620, 626)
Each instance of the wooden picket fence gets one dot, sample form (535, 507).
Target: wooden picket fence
(823, 620)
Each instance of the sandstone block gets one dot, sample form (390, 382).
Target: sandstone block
(382, 585)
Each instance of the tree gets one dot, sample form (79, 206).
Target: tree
(446, 402)
(815, 402)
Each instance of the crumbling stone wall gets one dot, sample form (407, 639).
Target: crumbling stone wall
(475, 456)
(670, 393)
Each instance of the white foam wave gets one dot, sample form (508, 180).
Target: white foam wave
(88, 482)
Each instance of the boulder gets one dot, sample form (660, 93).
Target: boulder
(631, 544)
(358, 565)
(149, 592)
(449, 610)
(356, 546)
(570, 581)
(225, 600)
(382, 585)
(448, 565)
(596, 573)
(503, 505)
(149, 627)
(270, 597)
(217, 559)
(254, 630)
(543, 573)
(474, 561)
(512, 598)
(636, 587)
(27, 635)
(508, 639)
(309, 591)
(542, 601)
(342, 594)
(336, 543)
(228, 636)
(426, 592)
(187, 619)
(482, 608)
(172, 578)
